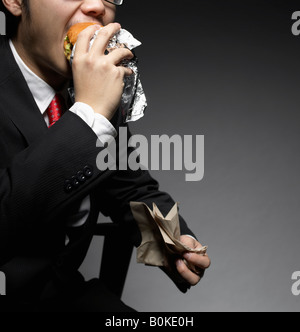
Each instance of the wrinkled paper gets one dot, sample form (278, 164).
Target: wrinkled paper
(133, 101)
(160, 236)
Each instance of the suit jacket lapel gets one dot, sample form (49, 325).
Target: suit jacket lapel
(16, 98)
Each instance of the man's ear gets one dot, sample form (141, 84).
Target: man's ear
(14, 6)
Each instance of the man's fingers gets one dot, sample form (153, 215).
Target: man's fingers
(119, 54)
(83, 40)
(191, 277)
(193, 265)
(199, 260)
(127, 71)
(101, 41)
(103, 37)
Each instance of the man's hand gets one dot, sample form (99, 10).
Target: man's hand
(98, 78)
(198, 262)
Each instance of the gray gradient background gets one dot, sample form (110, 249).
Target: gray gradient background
(229, 70)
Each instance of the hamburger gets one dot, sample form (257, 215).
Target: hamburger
(72, 35)
(133, 101)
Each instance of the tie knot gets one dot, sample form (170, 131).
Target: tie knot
(55, 109)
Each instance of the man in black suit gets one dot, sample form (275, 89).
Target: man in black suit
(51, 191)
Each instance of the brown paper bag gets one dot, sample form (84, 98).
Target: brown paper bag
(160, 236)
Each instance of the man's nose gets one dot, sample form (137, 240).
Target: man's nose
(93, 8)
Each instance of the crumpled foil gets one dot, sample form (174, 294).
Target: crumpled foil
(133, 101)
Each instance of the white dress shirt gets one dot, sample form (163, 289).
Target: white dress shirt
(43, 94)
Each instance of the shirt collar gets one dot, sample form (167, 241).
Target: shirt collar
(42, 92)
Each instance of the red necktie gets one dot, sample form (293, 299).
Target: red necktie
(55, 109)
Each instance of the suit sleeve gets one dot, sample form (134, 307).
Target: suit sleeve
(41, 181)
(128, 185)
(125, 186)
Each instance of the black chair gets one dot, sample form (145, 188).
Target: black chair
(113, 272)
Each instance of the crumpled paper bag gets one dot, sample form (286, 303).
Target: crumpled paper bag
(160, 236)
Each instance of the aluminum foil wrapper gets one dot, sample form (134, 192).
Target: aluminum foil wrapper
(133, 101)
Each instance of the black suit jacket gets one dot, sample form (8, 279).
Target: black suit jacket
(38, 195)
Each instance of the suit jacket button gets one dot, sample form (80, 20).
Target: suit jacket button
(68, 186)
(88, 171)
(81, 177)
(75, 182)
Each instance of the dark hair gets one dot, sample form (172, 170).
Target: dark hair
(12, 21)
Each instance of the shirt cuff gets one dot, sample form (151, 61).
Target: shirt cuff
(98, 123)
